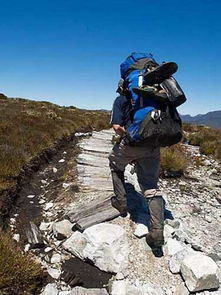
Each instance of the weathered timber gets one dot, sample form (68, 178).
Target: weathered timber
(95, 212)
(92, 160)
(34, 236)
(84, 170)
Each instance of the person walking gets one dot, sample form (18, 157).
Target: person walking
(147, 161)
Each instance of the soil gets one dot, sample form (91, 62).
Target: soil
(79, 273)
(48, 184)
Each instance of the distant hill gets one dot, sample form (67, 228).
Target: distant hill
(212, 119)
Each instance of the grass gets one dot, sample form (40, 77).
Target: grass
(208, 139)
(28, 127)
(173, 159)
(19, 273)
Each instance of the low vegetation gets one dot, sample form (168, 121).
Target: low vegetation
(173, 159)
(28, 127)
(208, 139)
(19, 273)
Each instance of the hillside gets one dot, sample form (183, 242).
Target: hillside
(212, 119)
(31, 132)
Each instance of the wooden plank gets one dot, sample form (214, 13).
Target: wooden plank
(93, 213)
(34, 236)
(92, 160)
(106, 214)
(86, 210)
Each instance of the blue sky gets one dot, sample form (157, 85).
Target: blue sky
(69, 52)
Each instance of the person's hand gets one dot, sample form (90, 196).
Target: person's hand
(119, 130)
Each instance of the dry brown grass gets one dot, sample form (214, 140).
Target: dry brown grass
(208, 139)
(19, 273)
(28, 127)
(173, 158)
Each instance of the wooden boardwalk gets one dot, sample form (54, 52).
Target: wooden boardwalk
(94, 177)
(92, 162)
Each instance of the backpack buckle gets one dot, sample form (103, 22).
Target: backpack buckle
(155, 115)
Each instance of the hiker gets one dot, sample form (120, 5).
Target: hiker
(147, 169)
(130, 148)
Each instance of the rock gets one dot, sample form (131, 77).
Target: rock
(119, 276)
(64, 293)
(180, 235)
(43, 181)
(132, 290)
(42, 202)
(48, 206)
(76, 244)
(118, 288)
(175, 223)
(141, 230)
(181, 290)
(200, 272)
(84, 291)
(55, 170)
(196, 246)
(62, 229)
(50, 289)
(173, 246)
(12, 220)
(16, 237)
(27, 247)
(30, 196)
(48, 249)
(151, 289)
(49, 214)
(66, 185)
(209, 219)
(124, 288)
(56, 258)
(176, 259)
(107, 247)
(54, 272)
(45, 226)
(168, 231)
(207, 162)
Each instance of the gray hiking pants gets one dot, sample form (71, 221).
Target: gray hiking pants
(147, 168)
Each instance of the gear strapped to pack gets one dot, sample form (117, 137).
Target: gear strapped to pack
(154, 95)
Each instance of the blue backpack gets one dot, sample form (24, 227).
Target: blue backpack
(153, 123)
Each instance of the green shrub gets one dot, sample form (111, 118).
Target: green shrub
(19, 274)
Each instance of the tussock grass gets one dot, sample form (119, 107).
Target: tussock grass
(208, 139)
(19, 273)
(28, 127)
(173, 159)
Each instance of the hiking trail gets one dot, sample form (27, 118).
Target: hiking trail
(64, 211)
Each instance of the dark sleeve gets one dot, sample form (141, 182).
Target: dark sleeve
(117, 116)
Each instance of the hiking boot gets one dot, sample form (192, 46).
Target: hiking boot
(120, 205)
(152, 92)
(155, 237)
(160, 73)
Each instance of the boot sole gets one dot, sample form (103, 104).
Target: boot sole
(161, 73)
